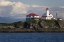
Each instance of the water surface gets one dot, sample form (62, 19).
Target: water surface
(31, 37)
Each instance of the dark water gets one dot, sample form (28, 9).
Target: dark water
(31, 37)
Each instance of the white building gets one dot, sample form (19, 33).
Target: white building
(59, 18)
(47, 15)
(32, 16)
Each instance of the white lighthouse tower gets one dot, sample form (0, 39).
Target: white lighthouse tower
(47, 15)
(47, 12)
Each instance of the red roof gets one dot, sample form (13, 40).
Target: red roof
(32, 14)
(46, 16)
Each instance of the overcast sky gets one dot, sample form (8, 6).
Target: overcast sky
(42, 2)
(19, 8)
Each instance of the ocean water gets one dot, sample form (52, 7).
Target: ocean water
(31, 37)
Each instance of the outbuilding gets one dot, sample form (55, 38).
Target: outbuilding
(32, 16)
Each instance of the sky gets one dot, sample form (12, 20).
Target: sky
(42, 2)
(18, 9)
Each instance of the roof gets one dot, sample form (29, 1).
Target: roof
(32, 14)
(46, 16)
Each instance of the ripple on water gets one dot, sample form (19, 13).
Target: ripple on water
(31, 37)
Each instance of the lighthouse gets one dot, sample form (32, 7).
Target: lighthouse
(47, 12)
(47, 15)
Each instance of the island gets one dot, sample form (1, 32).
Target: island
(35, 23)
(33, 26)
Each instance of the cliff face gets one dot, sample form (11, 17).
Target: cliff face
(44, 24)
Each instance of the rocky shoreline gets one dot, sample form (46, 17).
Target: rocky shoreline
(32, 26)
(45, 30)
